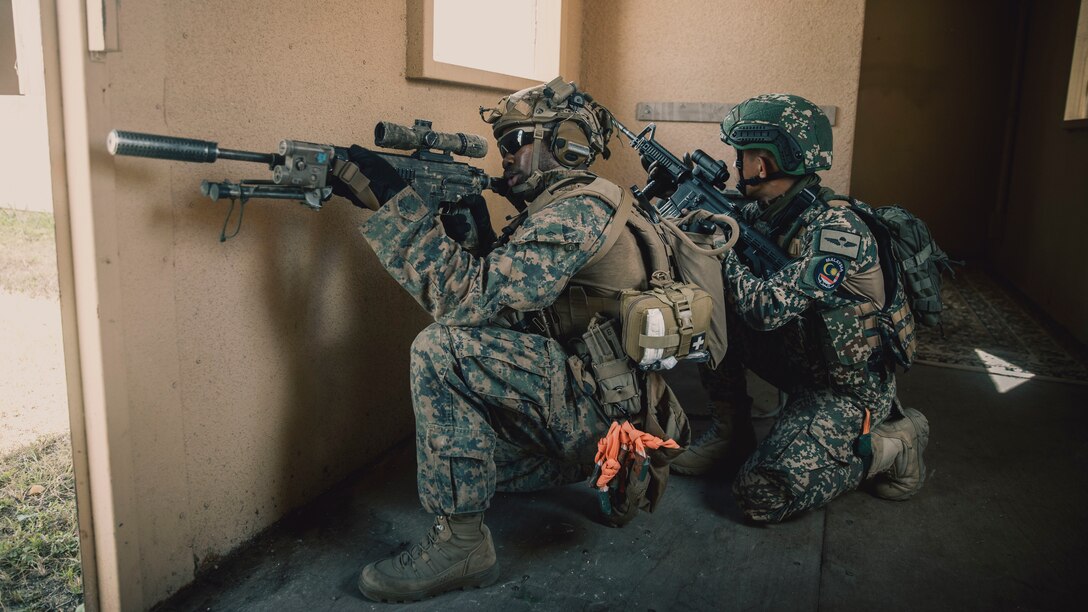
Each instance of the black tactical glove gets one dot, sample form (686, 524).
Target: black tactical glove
(385, 182)
(469, 223)
(663, 187)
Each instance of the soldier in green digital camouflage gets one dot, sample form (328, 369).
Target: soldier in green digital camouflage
(827, 329)
(501, 403)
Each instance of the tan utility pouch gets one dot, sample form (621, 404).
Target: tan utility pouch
(666, 323)
(617, 383)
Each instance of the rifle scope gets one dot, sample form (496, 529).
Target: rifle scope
(713, 170)
(421, 137)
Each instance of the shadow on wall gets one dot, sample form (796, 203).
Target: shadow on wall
(344, 322)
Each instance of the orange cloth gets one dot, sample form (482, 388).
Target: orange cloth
(622, 439)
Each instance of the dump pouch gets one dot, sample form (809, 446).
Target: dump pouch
(641, 482)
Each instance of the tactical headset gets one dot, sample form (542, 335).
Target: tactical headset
(570, 143)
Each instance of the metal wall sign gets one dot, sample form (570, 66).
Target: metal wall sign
(699, 112)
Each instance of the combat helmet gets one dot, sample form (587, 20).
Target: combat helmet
(574, 127)
(793, 129)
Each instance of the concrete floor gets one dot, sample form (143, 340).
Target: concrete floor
(999, 525)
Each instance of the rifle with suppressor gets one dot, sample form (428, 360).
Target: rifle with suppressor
(300, 170)
(697, 181)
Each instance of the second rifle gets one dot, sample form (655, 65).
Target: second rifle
(697, 181)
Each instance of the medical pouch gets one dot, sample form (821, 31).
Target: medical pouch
(664, 324)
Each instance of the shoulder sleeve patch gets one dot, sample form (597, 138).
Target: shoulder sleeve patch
(828, 273)
(838, 242)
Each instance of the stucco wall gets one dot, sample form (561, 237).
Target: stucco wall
(675, 50)
(1041, 231)
(261, 370)
(24, 158)
(933, 113)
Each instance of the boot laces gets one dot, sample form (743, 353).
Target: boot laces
(709, 436)
(409, 557)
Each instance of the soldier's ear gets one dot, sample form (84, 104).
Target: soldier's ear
(767, 166)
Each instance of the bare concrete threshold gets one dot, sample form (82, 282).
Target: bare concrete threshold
(33, 402)
(999, 525)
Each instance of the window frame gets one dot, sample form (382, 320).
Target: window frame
(421, 65)
(11, 83)
(1076, 101)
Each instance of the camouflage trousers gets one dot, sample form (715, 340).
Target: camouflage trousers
(808, 458)
(495, 411)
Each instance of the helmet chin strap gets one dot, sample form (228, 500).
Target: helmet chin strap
(531, 187)
(744, 183)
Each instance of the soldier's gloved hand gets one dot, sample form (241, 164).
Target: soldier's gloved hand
(469, 223)
(385, 182)
(663, 185)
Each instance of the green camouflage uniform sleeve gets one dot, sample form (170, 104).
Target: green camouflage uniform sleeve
(835, 244)
(457, 288)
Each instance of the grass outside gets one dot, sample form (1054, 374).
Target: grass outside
(39, 535)
(28, 254)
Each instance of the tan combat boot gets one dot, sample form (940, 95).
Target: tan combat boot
(730, 435)
(457, 553)
(897, 467)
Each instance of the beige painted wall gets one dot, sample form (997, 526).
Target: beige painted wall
(933, 113)
(1040, 247)
(260, 371)
(24, 158)
(726, 51)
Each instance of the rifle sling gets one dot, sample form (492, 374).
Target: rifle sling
(356, 181)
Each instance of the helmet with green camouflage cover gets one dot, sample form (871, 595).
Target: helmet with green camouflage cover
(793, 129)
(554, 109)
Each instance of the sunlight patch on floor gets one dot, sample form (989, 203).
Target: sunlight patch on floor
(1005, 376)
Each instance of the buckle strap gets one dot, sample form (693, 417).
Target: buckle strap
(356, 181)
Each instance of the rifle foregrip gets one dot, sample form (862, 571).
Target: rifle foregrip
(161, 147)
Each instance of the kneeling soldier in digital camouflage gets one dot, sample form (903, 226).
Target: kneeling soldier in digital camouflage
(828, 329)
(501, 401)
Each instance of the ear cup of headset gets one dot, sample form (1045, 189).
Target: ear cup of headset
(570, 144)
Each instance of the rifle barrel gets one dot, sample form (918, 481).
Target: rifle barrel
(156, 146)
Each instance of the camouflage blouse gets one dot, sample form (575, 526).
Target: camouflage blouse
(526, 273)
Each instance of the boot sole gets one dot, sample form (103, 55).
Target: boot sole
(478, 580)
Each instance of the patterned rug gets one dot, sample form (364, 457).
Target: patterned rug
(985, 329)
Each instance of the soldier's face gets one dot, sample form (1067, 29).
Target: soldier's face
(517, 165)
